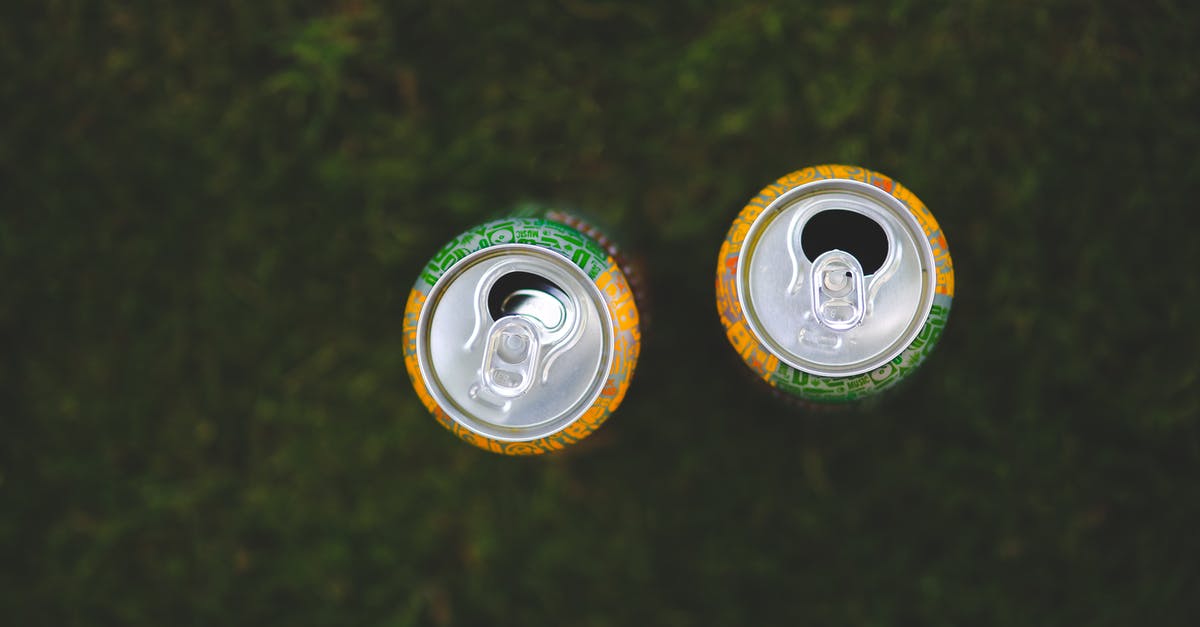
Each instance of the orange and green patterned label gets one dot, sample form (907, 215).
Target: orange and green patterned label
(795, 382)
(595, 262)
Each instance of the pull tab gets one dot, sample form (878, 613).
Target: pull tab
(524, 321)
(510, 361)
(838, 290)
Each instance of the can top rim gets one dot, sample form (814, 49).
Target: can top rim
(565, 409)
(890, 207)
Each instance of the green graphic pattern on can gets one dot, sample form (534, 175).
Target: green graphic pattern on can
(834, 322)
(840, 389)
(580, 249)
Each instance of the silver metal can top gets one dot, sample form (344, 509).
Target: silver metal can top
(515, 342)
(836, 277)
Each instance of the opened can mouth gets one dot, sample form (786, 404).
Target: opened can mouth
(515, 342)
(531, 295)
(840, 229)
(835, 277)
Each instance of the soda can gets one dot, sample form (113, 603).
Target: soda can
(834, 284)
(521, 335)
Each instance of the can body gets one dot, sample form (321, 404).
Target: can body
(834, 284)
(521, 335)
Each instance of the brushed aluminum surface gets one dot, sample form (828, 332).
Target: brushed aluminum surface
(823, 315)
(527, 370)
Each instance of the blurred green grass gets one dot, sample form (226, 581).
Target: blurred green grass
(210, 217)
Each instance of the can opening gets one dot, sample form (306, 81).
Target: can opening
(847, 231)
(530, 295)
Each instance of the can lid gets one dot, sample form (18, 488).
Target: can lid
(835, 277)
(515, 342)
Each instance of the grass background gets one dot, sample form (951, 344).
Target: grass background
(210, 216)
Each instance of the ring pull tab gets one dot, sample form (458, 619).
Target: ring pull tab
(838, 290)
(510, 361)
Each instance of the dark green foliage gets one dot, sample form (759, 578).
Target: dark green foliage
(210, 215)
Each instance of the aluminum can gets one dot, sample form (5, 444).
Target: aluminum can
(521, 335)
(834, 284)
